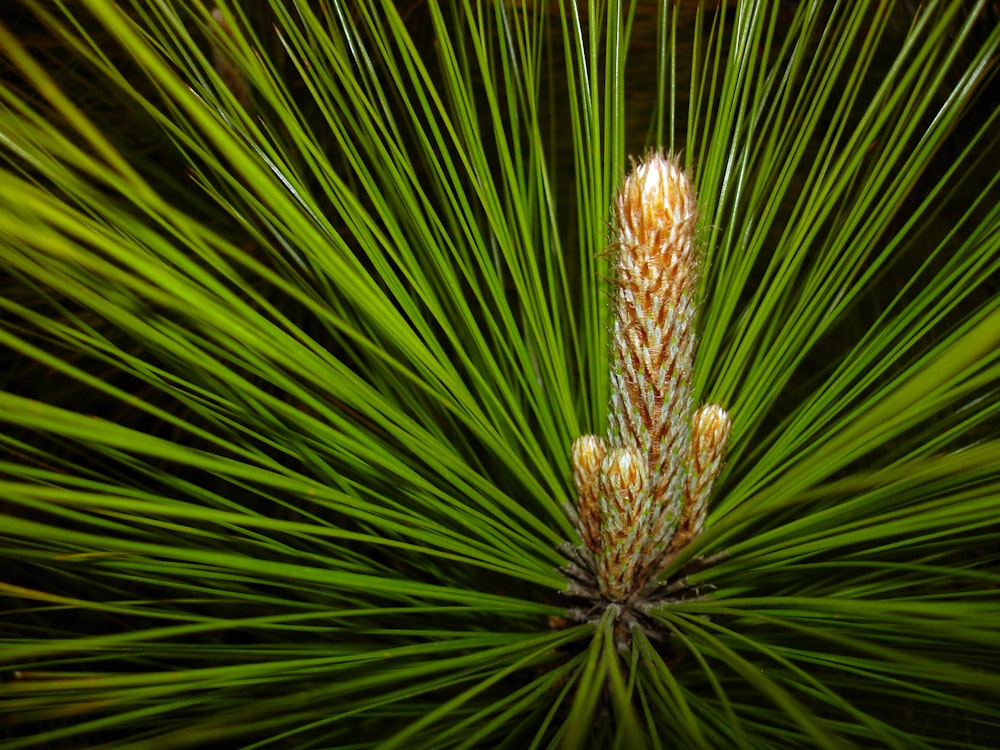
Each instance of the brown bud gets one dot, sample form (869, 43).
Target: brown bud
(624, 499)
(659, 460)
(587, 455)
(709, 435)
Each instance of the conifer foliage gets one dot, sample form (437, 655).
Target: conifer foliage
(359, 391)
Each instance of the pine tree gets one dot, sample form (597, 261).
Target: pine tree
(361, 392)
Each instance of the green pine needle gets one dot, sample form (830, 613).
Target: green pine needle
(304, 304)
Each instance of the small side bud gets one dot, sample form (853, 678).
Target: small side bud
(624, 503)
(587, 454)
(709, 436)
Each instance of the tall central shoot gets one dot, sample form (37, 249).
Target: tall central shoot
(642, 493)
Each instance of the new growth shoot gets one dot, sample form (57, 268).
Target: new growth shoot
(642, 492)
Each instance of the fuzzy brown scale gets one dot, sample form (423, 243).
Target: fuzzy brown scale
(642, 492)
